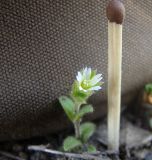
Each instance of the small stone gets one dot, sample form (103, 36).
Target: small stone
(38, 156)
(17, 148)
(130, 135)
(148, 156)
(141, 153)
(23, 155)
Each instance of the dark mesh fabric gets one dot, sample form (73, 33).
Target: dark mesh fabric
(43, 43)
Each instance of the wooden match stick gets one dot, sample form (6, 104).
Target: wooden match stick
(115, 15)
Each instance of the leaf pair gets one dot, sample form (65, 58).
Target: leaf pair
(71, 143)
(69, 108)
(86, 131)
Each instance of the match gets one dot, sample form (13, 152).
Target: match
(115, 15)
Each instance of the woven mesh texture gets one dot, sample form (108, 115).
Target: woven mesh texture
(43, 43)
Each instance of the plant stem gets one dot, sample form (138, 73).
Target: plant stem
(77, 129)
(77, 123)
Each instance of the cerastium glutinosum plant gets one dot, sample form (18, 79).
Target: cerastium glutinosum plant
(75, 106)
(148, 93)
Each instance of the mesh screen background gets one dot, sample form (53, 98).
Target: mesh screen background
(43, 43)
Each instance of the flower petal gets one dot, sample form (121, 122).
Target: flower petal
(85, 73)
(88, 74)
(96, 88)
(98, 75)
(79, 77)
(88, 80)
(96, 79)
(85, 70)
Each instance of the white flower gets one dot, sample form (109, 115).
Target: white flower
(88, 80)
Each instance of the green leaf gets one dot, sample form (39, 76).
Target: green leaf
(148, 88)
(71, 143)
(93, 73)
(86, 131)
(91, 149)
(84, 110)
(68, 106)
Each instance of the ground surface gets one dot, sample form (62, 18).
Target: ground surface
(135, 144)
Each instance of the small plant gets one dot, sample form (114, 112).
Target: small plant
(148, 88)
(147, 101)
(76, 107)
(148, 93)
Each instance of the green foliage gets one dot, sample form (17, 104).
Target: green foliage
(91, 149)
(71, 143)
(84, 110)
(86, 131)
(148, 88)
(68, 106)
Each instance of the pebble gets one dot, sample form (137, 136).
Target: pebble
(148, 156)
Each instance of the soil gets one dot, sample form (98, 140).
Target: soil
(135, 143)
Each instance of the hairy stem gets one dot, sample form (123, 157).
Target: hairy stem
(77, 123)
(77, 129)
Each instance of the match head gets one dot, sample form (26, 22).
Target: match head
(115, 11)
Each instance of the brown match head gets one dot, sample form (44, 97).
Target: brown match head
(115, 11)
